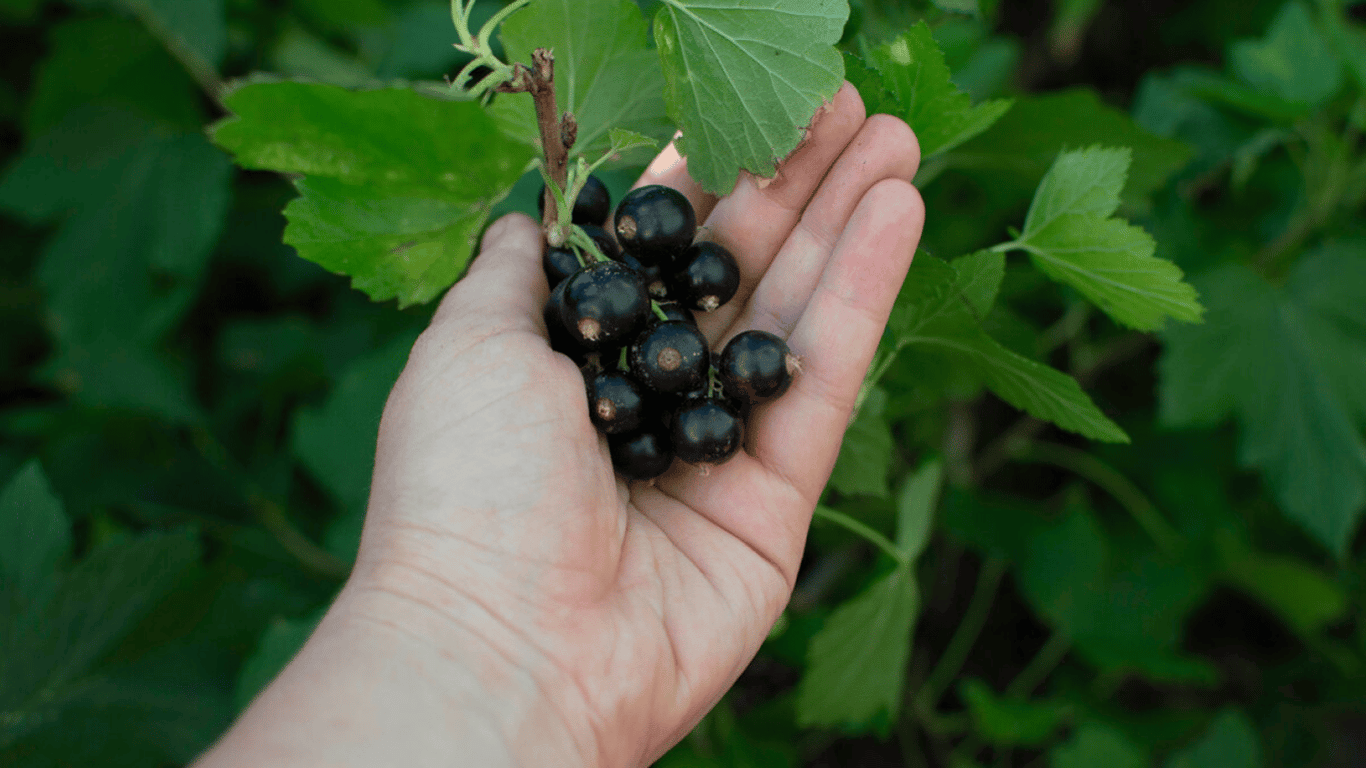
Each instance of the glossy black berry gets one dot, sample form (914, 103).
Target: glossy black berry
(605, 304)
(707, 431)
(553, 314)
(676, 312)
(756, 366)
(655, 223)
(670, 358)
(559, 264)
(706, 278)
(653, 274)
(642, 455)
(616, 403)
(592, 206)
(604, 241)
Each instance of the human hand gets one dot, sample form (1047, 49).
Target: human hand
(498, 540)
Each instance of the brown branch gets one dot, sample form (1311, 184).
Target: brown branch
(558, 132)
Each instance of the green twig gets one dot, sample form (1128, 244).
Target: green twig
(1113, 482)
(270, 513)
(845, 521)
(1040, 667)
(960, 645)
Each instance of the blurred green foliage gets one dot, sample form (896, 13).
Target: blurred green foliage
(188, 409)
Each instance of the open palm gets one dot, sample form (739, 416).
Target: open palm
(494, 505)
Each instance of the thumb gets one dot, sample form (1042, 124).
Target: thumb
(505, 288)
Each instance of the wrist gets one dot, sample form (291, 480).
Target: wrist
(384, 670)
(494, 687)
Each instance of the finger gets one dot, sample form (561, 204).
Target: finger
(754, 220)
(505, 288)
(670, 169)
(798, 436)
(885, 148)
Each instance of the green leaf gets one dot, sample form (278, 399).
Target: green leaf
(125, 718)
(114, 62)
(866, 454)
(1035, 388)
(1111, 263)
(278, 645)
(1348, 41)
(1169, 104)
(1082, 183)
(604, 72)
(347, 15)
(1135, 625)
(916, 81)
(1287, 363)
(1124, 618)
(1230, 742)
(35, 535)
(389, 198)
(979, 277)
(140, 211)
(958, 6)
(622, 141)
(1025, 142)
(188, 28)
(21, 10)
(937, 308)
(856, 664)
(1070, 237)
(1006, 722)
(1305, 598)
(106, 371)
(1293, 61)
(139, 214)
(89, 610)
(336, 441)
(1063, 575)
(744, 79)
(915, 507)
(1096, 745)
(298, 53)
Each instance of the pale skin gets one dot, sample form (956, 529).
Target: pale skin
(514, 602)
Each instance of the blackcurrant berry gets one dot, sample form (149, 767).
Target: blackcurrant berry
(592, 206)
(604, 241)
(707, 277)
(605, 304)
(655, 223)
(642, 455)
(616, 403)
(756, 366)
(654, 276)
(559, 264)
(676, 312)
(707, 431)
(670, 358)
(553, 314)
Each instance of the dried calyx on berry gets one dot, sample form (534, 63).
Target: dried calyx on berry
(707, 277)
(604, 305)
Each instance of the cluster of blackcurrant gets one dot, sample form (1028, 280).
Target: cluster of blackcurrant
(625, 316)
